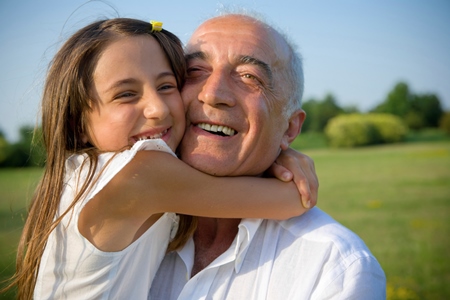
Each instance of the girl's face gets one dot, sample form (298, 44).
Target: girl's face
(135, 96)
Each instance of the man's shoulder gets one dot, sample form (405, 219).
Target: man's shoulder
(316, 226)
(314, 221)
(322, 251)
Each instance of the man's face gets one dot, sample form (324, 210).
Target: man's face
(235, 125)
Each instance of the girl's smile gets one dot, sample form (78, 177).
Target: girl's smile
(150, 136)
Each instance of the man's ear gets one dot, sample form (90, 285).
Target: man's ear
(294, 128)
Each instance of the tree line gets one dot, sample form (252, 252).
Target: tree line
(400, 111)
(388, 122)
(27, 152)
(417, 111)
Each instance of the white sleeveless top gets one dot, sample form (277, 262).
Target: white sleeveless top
(73, 268)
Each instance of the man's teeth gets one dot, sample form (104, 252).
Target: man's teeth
(152, 137)
(217, 128)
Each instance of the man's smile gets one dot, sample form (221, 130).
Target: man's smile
(217, 129)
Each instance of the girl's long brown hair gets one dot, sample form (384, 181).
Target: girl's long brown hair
(65, 103)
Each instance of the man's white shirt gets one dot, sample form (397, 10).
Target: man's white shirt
(307, 257)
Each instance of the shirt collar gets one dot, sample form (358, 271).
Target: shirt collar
(187, 256)
(247, 230)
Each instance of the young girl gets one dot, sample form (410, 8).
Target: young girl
(98, 225)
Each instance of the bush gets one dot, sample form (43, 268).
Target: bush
(390, 128)
(355, 130)
(3, 149)
(349, 131)
(414, 120)
(445, 123)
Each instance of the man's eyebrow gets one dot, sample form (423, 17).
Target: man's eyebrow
(194, 55)
(259, 63)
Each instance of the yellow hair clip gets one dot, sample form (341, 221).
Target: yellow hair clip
(156, 26)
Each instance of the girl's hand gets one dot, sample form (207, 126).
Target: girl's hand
(296, 166)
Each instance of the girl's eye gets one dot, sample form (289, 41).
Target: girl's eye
(125, 95)
(166, 87)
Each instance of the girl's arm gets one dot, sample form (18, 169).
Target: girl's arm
(155, 182)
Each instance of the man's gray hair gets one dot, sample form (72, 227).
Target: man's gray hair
(294, 68)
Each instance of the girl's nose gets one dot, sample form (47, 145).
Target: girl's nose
(156, 108)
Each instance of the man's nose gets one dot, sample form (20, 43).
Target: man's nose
(217, 90)
(155, 108)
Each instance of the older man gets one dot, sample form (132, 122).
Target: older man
(242, 97)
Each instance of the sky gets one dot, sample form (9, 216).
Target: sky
(355, 50)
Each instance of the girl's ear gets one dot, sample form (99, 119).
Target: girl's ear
(294, 129)
(84, 138)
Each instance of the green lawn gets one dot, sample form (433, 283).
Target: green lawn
(396, 197)
(16, 189)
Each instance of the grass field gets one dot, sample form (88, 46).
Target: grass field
(16, 189)
(396, 197)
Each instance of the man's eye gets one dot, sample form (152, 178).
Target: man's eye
(193, 71)
(253, 79)
(194, 74)
(249, 76)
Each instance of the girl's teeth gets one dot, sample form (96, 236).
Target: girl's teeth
(156, 136)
